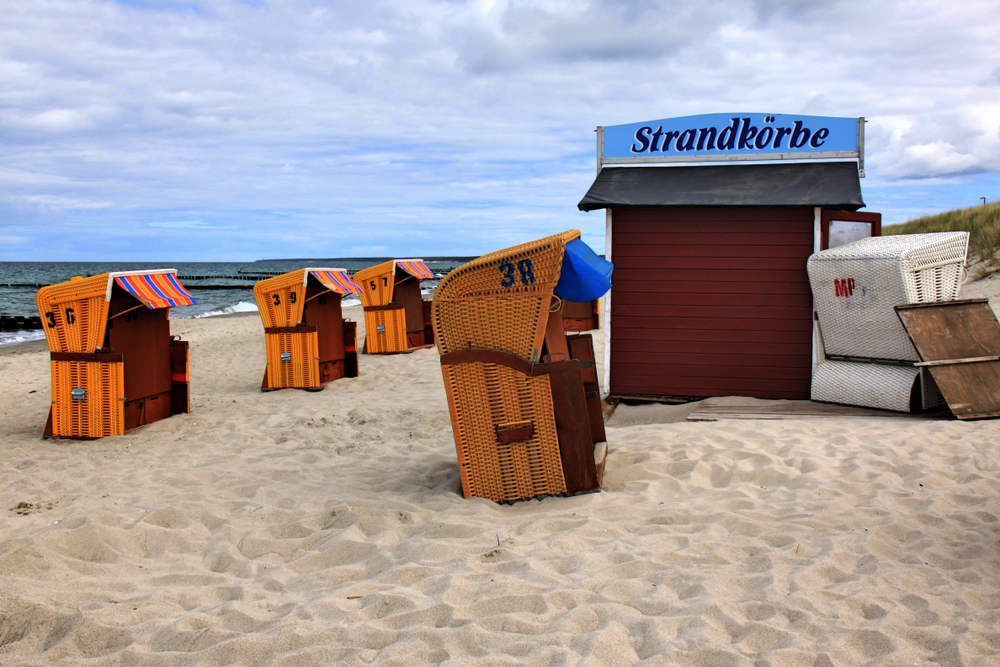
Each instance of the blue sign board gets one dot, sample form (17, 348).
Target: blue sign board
(734, 136)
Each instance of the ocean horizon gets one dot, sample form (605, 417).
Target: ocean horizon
(219, 288)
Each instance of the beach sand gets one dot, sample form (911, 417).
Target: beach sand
(297, 528)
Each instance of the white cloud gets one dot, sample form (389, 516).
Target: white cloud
(56, 203)
(934, 159)
(188, 224)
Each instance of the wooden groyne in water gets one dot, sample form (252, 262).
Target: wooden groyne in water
(18, 323)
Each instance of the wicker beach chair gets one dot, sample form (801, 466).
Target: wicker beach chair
(523, 395)
(115, 366)
(868, 356)
(397, 319)
(308, 341)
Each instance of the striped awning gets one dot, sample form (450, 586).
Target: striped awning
(156, 290)
(336, 280)
(416, 268)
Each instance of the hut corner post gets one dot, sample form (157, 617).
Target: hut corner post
(606, 301)
(817, 340)
(606, 308)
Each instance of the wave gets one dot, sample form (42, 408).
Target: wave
(20, 336)
(240, 307)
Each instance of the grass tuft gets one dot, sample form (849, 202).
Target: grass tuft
(982, 223)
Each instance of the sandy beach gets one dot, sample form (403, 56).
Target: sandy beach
(296, 528)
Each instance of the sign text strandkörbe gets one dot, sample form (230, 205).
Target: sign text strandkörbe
(720, 135)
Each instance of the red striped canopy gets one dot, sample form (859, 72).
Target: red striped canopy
(336, 280)
(156, 290)
(416, 268)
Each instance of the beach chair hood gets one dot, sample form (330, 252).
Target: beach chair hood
(416, 268)
(585, 275)
(155, 289)
(335, 280)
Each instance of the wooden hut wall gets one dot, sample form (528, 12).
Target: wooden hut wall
(711, 301)
(142, 336)
(407, 292)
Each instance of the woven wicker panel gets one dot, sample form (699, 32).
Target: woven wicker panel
(500, 301)
(882, 386)
(377, 283)
(856, 286)
(392, 337)
(301, 371)
(102, 413)
(485, 395)
(79, 310)
(281, 299)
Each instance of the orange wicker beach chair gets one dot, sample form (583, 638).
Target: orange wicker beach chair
(309, 343)
(115, 366)
(397, 319)
(523, 395)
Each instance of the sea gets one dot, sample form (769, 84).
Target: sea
(219, 288)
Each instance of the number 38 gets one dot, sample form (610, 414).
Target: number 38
(524, 267)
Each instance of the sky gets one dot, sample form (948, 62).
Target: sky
(236, 130)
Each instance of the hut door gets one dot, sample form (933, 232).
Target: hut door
(840, 227)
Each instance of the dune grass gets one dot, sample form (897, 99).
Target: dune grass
(982, 223)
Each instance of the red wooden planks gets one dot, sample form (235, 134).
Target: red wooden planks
(710, 302)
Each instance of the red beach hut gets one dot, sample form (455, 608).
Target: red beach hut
(711, 295)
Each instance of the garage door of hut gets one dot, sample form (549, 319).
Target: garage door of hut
(711, 301)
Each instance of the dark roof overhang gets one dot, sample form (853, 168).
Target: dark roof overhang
(826, 184)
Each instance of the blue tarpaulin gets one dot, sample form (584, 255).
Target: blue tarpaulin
(585, 275)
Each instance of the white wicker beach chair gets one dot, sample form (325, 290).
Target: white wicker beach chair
(881, 386)
(856, 286)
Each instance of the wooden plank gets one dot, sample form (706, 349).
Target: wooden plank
(709, 324)
(744, 225)
(699, 373)
(752, 389)
(952, 362)
(954, 330)
(694, 237)
(759, 275)
(796, 262)
(656, 216)
(576, 443)
(802, 337)
(764, 348)
(633, 249)
(679, 299)
(623, 284)
(717, 358)
(733, 313)
(709, 411)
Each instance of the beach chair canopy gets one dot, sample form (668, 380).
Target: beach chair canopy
(336, 280)
(415, 267)
(155, 289)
